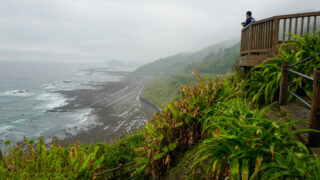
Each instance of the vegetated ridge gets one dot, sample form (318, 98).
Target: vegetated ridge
(179, 62)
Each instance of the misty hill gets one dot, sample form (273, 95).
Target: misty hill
(182, 62)
(217, 62)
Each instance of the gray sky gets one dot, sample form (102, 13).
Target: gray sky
(127, 30)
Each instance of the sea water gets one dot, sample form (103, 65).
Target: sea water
(28, 92)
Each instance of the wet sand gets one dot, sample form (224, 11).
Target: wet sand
(118, 107)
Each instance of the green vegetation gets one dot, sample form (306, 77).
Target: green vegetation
(78, 161)
(178, 126)
(217, 63)
(263, 86)
(27, 162)
(236, 139)
(241, 142)
(175, 71)
(181, 63)
(162, 90)
(221, 121)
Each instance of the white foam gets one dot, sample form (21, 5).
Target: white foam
(52, 100)
(48, 86)
(19, 121)
(4, 128)
(58, 85)
(16, 92)
(84, 121)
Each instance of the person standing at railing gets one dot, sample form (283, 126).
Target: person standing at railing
(249, 20)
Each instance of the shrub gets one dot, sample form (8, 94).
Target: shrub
(263, 85)
(240, 140)
(77, 161)
(178, 127)
(292, 165)
(56, 162)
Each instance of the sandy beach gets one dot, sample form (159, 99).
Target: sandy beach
(118, 107)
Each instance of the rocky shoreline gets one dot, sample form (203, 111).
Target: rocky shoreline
(117, 107)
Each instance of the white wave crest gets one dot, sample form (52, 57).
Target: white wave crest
(19, 121)
(84, 120)
(4, 128)
(16, 92)
(52, 100)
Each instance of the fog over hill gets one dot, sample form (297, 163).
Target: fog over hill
(185, 62)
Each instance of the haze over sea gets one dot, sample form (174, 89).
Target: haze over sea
(28, 93)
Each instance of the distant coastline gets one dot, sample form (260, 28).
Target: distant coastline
(119, 107)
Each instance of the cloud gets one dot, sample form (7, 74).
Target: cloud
(133, 31)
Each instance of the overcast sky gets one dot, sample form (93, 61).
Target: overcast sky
(127, 30)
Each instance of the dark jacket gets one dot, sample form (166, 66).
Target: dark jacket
(248, 21)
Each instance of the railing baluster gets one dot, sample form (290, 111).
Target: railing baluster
(275, 36)
(290, 24)
(284, 30)
(302, 26)
(258, 36)
(296, 27)
(271, 23)
(314, 24)
(250, 38)
(308, 25)
(261, 36)
(264, 35)
(267, 34)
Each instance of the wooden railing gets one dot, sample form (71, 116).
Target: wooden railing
(314, 138)
(121, 175)
(259, 40)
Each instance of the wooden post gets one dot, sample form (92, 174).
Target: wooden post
(120, 176)
(314, 138)
(283, 84)
(275, 36)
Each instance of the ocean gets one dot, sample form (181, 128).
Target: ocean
(28, 93)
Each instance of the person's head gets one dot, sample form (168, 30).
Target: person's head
(249, 14)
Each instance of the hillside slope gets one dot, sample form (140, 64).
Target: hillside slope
(179, 62)
(217, 63)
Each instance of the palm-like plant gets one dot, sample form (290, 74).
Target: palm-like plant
(263, 86)
(292, 165)
(241, 140)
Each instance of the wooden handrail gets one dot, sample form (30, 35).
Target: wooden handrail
(260, 39)
(314, 138)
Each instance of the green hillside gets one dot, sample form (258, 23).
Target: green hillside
(179, 62)
(217, 62)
